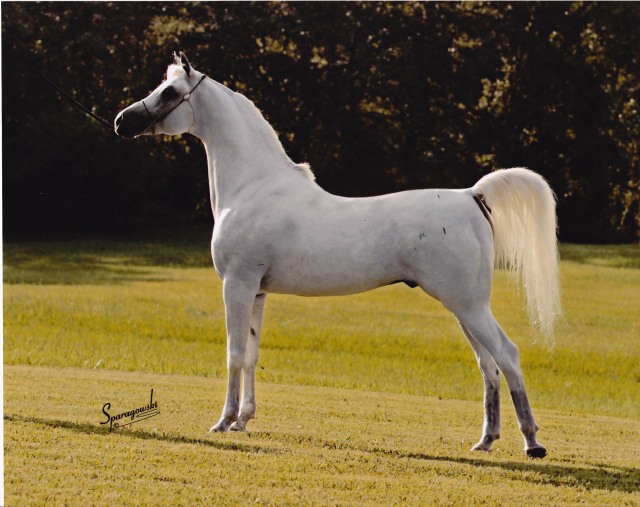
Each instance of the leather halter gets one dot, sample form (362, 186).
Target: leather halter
(185, 98)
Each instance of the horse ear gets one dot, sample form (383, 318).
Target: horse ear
(185, 63)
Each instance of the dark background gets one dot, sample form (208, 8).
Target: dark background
(378, 97)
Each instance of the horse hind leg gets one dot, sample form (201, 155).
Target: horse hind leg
(491, 377)
(483, 327)
(248, 402)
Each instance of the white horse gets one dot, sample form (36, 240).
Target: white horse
(277, 231)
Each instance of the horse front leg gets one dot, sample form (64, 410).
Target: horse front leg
(248, 403)
(238, 303)
(491, 377)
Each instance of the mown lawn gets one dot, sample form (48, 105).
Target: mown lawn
(308, 446)
(373, 398)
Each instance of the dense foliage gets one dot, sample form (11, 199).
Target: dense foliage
(378, 97)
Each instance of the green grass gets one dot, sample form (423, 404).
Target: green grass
(377, 391)
(309, 446)
(614, 256)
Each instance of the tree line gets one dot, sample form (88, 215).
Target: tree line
(377, 96)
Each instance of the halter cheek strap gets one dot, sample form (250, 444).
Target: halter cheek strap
(152, 124)
(185, 98)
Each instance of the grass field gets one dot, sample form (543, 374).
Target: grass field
(373, 398)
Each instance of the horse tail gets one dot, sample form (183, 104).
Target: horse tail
(522, 210)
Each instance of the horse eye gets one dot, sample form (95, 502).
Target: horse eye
(169, 93)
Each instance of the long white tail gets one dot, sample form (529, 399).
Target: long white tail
(523, 212)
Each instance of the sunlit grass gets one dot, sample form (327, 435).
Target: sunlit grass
(308, 446)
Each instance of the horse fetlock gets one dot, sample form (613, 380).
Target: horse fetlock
(529, 429)
(238, 426)
(485, 443)
(243, 419)
(531, 446)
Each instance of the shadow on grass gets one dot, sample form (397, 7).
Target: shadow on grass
(614, 256)
(90, 429)
(69, 270)
(591, 476)
(103, 260)
(597, 476)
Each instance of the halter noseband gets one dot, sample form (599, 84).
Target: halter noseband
(185, 98)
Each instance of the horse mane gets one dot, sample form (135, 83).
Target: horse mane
(306, 169)
(271, 135)
(176, 69)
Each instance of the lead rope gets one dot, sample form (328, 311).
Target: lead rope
(105, 123)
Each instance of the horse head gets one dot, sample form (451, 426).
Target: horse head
(167, 109)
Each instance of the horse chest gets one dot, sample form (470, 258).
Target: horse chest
(236, 243)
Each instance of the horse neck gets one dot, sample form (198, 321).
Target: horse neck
(243, 152)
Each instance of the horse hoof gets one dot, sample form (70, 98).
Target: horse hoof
(221, 427)
(237, 426)
(536, 452)
(485, 443)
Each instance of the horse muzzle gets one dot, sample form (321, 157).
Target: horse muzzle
(132, 122)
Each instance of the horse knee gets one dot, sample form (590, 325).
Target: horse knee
(235, 360)
(249, 365)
